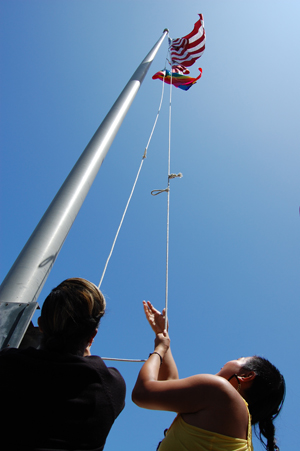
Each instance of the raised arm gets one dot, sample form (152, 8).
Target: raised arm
(168, 369)
(187, 395)
(158, 386)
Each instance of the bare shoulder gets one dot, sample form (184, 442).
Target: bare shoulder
(223, 395)
(224, 410)
(210, 384)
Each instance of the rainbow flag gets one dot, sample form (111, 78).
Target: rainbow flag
(178, 80)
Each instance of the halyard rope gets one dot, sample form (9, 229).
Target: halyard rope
(136, 179)
(154, 193)
(167, 190)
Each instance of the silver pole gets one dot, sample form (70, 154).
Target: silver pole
(28, 274)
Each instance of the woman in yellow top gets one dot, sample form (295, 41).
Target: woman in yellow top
(212, 409)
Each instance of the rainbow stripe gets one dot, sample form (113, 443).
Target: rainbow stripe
(178, 80)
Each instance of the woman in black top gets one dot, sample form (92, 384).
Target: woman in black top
(60, 397)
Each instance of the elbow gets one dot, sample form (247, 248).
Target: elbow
(140, 396)
(137, 396)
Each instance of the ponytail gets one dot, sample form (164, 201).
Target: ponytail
(267, 429)
(265, 399)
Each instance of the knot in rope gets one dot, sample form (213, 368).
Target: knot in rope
(173, 176)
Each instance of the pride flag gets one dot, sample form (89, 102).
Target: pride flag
(178, 80)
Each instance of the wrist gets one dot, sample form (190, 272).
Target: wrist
(161, 350)
(158, 354)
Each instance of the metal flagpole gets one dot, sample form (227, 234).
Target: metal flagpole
(28, 274)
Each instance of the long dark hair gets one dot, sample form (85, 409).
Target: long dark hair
(265, 399)
(70, 315)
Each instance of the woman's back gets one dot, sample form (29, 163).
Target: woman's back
(74, 397)
(57, 401)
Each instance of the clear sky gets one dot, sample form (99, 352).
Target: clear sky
(234, 220)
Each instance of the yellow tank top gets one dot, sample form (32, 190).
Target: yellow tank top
(182, 436)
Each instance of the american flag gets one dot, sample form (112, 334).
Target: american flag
(180, 70)
(185, 51)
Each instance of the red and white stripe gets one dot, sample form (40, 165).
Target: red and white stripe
(185, 51)
(180, 70)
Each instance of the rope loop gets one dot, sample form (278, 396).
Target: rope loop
(155, 192)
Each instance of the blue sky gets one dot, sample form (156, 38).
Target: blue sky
(234, 220)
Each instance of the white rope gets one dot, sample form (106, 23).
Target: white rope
(168, 211)
(154, 193)
(167, 190)
(120, 225)
(123, 360)
(136, 179)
